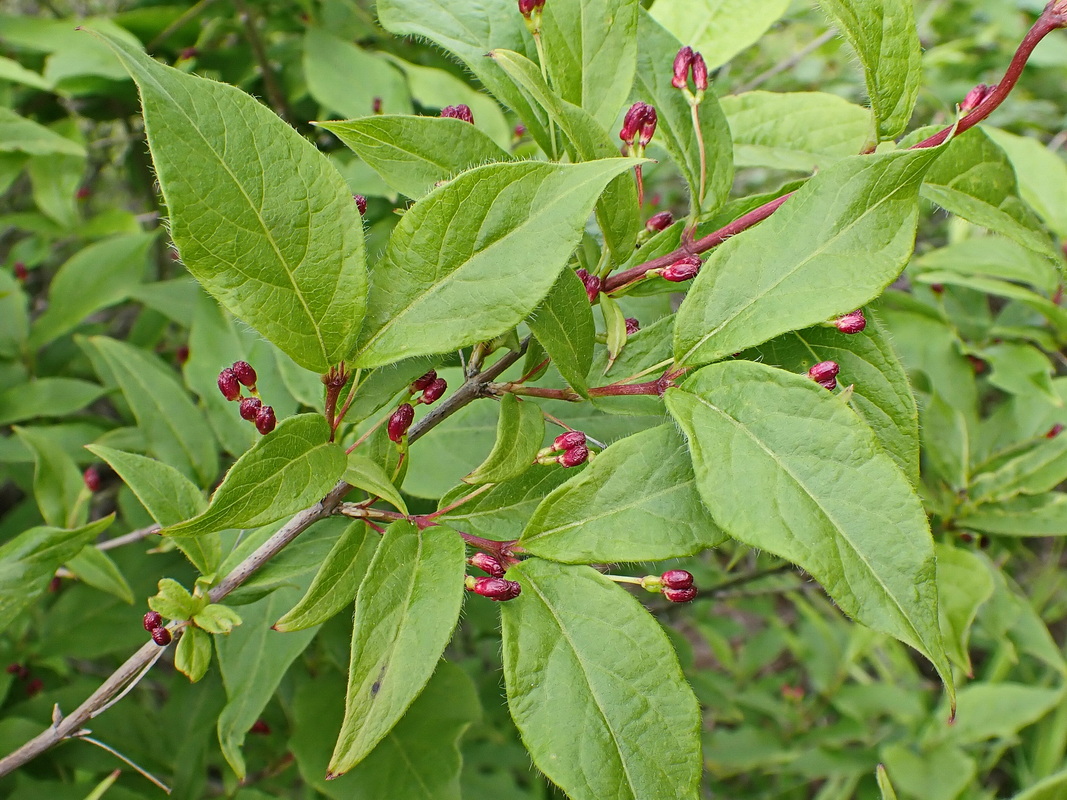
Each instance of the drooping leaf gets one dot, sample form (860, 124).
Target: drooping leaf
(519, 433)
(1034, 515)
(990, 257)
(414, 154)
(1036, 469)
(574, 640)
(564, 326)
(637, 501)
(286, 471)
(406, 609)
(477, 255)
(259, 216)
(785, 466)
(94, 567)
(58, 486)
(46, 397)
(718, 29)
(885, 38)
(371, 477)
(21, 135)
(963, 585)
(193, 655)
(834, 246)
(1042, 175)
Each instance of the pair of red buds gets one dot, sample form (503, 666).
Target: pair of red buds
(431, 387)
(689, 62)
(675, 584)
(460, 111)
(592, 283)
(498, 589)
(573, 447)
(639, 125)
(252, 409)
(153, 623)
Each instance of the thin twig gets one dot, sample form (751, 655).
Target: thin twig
(128, 538)
(148, 775)
(177, 24)
(275, 94)
(786, 63)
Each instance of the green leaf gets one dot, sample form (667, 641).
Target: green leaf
(58, 486)
(13, 71)
(21, 135)
(286, 471)
(974, 179)
(1051, 788)
(193, 655)
(800, 131)
(368, 475)
(30, 560)
(992, 256)
(578, 645)
(336, 582)
(884, 36)
(963, 585)
(95, 568)
(615, 328)
(655, 58)
(168, 496)
(936, 773)
(348, 79)
(216, 618)
(406, 609)
(501, 512)
(280, 248)
(174, 601)
(834, 246)
(637, 501)
(884, 786)
(564, 326)
(506, 228)
(96, 277)
(1038, 515)
(14, 316)
(999, 710)
(173, 427)
(946, 439)
(881, 395)
(591, 53)
(54, 180)
(414, 154)
(718, 29)
(785, 466)
(1037, 469)
(1021, 369)
(1042, 175)
(520, 431)
(46, 397)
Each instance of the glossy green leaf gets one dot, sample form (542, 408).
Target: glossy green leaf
(564, 326)
(963, 585)
(718, 29)
(193, 654)
(96, 277)
(46, 397)
(478, 255)
(834, 246)
(885, 38)
(637, 501)
(58, 486)
(168, 496)
(173, 427)
(347, 79)
(414, 154)
(655, 58)
(371, 477)
(30, 560)
(785, 466)
(974, 179)
(285, 472)
(280, 248)
(574, 640)
(801, 131)
(502, 512)
(881, 393)
(336, 582)
(95, 568)
(21, 135)
(406, 609)
(1038, 515)
(591, 53)
(520, 430)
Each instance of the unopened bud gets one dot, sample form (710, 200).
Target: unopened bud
(229, 385)
(631, 123)
(1054, 431)
(181, 355)
(568, 440)
(825, 374)
(423, 383)
(648, 125)
(361, 204)
(260, 728)
(400, 421)
(265, 420)
(434, 391)
(527, 7)
(152, 620)
(460, 111)
(853, 322)
(161, 636)
(376, 105)
(659, 222)
(250, 407)
(244, 373)
(494, 588)
(574, 456)
(592, 284)
(487, 563)
(682, 62)
(682, 270)
(680, 595)
(520, 131)
(677, 579)
(34, 687)
(632, 326)
(700, 72)
(21, 273)
(91, 476)
(978, 95)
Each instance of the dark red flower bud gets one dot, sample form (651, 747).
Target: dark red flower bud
(34, 687)
(632, 326)
(91, 476)
(677, 579)
(495, 588)
(55, 584)
(682, 61)
(825, 374)
(520, 131)
(423, 383)
(527, 7)
(592, 284)
(245, 374)
(376, 105)
(400, 422)
(461, 111)
(487, 563)
(265, 420)
(434, 391)
(576, 455)
(978, 95)
(84, 193)
(682, 270)
(659, 222)
(21, 273)
(161, 636)
(977, 364)
(1054, 431)
(853, 322)
(568, 440)
(361, 204)
(937, 288)
(19, 671)
(680, 595)
(700, 72)
(229, 385)
(187, 53)
(250, 407)
(152, 620)
(260, 728)
(181, 355)
(648, 126)
(635, 121)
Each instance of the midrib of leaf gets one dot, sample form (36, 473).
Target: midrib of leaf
(829, 517)
(256, 211)
(815, 253)
(706, 18)
(413, 768)
(588, 682)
